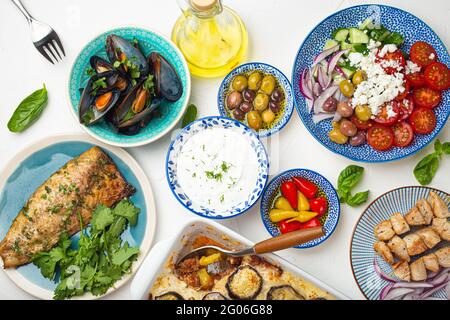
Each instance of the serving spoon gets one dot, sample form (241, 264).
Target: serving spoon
(280, 242)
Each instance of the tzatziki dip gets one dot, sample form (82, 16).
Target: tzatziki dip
(218, 168)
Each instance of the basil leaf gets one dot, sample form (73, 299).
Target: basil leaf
(28, 111)
(189, 116)
(438, 147)
(426, 169)
(358, 199)
(446, 148)
(348, 179)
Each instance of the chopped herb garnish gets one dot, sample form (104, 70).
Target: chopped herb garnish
(90, 72)
(222, 198)
(99, 83)
(47, 189)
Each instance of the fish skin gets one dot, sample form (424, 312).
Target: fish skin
(55, 207)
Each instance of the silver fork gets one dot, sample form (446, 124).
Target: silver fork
(43, 36)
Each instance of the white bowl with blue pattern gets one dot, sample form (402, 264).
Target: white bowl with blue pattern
(171, 112)
(413, 29)
(197, 127)
(284, 83)
(362, 254)
(329, 220)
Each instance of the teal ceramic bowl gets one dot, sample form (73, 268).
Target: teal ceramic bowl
(171, 112)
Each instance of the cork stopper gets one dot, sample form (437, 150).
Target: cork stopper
(203, 5)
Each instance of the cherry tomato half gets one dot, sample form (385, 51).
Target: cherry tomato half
(423, 121)
(383, 116)
(405, 93)
(406, 108)
(361, 125)
(319, 205)
(426, 97)
(403, 134)
(416, 80)
(437, 76)
(422, 53)
(380, 138)
(389, 58)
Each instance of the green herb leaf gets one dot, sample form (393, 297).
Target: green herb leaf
(358, 199)
(426, 169)
(348, 179)
(394, 38)
(446, 148)
(189, 116)
(127, 210)
(101, 218)
(124, 254)
(28, 111)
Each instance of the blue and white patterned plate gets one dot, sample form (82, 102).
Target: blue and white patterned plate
(329, 220)
(171, 112)
(280, 121)
(362, 254)
(396, 20)
(205, 124)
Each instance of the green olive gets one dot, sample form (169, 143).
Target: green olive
(363, 113)
(254, 120)
(347, 88)
(261, 102)
(268, 84)
(336, 135)
(254, 81)
(359, 77)
(240, 83)
(268, 116)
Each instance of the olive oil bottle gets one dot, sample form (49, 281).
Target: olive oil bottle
(212, 37)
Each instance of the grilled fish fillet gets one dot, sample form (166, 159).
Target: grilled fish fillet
(74, 190)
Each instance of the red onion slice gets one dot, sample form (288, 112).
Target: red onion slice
(413, 285)
(321, 116)
(340, 71)
(334, 60)
(317, 90)
(381, 274)
(430, 292)
(324, 54)
(397, 293)
(304, 89)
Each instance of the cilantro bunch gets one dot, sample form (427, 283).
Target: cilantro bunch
(101, 258)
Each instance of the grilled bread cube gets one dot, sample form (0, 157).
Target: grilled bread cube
(399, 224)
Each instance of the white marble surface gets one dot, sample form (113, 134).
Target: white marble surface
(276, 29)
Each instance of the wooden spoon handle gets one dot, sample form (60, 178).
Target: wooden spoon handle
(288, 240)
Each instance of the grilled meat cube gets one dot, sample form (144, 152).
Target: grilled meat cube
(443, 256)
(414, 244)
(440, 208)
(398, 248)
(415, 218)
(429, 237)
(442, 227)
(399, 224)
(402, 271)
(418, 271)
(383, 231)
(78, 187)
(431, 262)
(425, 210)
(383, 250)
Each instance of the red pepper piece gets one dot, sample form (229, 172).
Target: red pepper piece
(286, 227)
(314, 222)
(289, 191)
(318, 205)
(308, 188)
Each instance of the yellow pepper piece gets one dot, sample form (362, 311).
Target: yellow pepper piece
(205, 279)
(282, 204)
(303, 203)
(304, 216)
(206, 260)
(277, 215)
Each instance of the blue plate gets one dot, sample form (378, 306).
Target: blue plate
(35, 167)
(329, 220)
(413, 29)
(362, 254)
(171, 112)
(283, 119)
(205, 124)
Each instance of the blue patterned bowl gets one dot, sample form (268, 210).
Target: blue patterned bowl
(362, 254)
(171, 112)
(329, 220)
(395, 20)
(193, 129)
(280, 121)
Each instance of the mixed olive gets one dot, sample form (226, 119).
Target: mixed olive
(256, 98)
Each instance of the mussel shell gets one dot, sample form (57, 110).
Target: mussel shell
(100, 65)
(168, 82)
(116, 44)
(142, 118)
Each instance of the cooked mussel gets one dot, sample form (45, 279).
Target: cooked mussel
(244, 284)
(167, 81)
(121, 50)
(98, 98)
(172, 295)
(214, 296)
(285, 292)
(100, 65)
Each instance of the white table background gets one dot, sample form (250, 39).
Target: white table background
(276, 29)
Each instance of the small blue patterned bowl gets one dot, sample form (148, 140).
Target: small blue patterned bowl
(281, 120)
(362, 254)
(171, 112)
(193, 129)
(396, 20)
(329, 220)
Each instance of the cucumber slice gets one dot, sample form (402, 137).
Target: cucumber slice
(346, 46)
(367, 24)
(358, 36)
(330, 44)
(348, 72)
(340, 34)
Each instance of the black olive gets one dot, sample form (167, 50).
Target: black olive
(249, 95)
(238, 114)
(277, 95)
(246, 107)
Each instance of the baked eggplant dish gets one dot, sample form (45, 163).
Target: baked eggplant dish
(212, 275)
